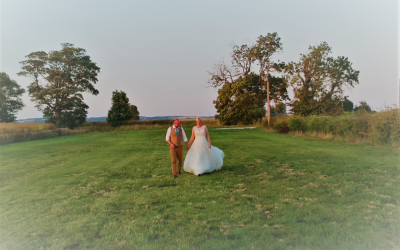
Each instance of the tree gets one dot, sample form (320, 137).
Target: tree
(279, 108)
(363, 107)
(120, 112)
(318, 81)
(266, 47)
(135, 113)
(277, 89)
(242, 101)
(59, 80)
(10, 98)
(73, 114)
(245, 58)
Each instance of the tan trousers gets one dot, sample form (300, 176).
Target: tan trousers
(176, 154)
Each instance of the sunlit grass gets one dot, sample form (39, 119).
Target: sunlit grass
(115, 191)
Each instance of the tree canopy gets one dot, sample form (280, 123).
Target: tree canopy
(59, 78)
(242, 101)
(318, 81)
(279, 108)
(73, 115)
(10, 98)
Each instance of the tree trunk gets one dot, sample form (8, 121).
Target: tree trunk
(57, 115)
(269, 106)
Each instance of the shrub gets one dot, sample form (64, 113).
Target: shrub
(316, 123)
(265, 122)
(297, 124)
(385, 127)
(280, 124)
(348, 124)
(380, 127)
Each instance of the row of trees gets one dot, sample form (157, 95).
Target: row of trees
(59, 79)
(253, 78)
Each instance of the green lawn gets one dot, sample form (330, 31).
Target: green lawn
(115, 191)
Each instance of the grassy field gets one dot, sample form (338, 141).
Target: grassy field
(115, 191)
(18, 132)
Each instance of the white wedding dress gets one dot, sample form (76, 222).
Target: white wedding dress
(200, 159)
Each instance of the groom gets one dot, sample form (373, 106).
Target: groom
(174, 137)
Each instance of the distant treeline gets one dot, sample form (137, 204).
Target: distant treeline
(103, 119)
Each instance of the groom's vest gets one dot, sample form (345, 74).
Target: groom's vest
(176, 139)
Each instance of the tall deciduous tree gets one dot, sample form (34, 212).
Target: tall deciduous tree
(120, 112)
(248, 59)
(318, 81)
(265, 48)
(59, 80)
(10, 98)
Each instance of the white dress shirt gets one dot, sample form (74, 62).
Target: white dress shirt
(168, 136)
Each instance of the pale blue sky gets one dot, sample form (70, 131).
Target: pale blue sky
(159, 51)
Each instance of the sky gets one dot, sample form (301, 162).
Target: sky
(159, 52)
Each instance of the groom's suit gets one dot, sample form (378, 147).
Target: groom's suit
(175, 136)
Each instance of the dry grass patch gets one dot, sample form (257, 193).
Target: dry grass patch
(13, 128)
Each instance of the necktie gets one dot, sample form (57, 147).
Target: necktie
(176, 131)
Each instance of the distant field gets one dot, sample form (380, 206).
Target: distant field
(18, 132)
(104, 118)
(115, 191)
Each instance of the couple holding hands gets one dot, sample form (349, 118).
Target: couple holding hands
(201, 158)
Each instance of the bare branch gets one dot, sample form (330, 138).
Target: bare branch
(222, 74)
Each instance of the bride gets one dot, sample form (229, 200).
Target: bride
(202, 157)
